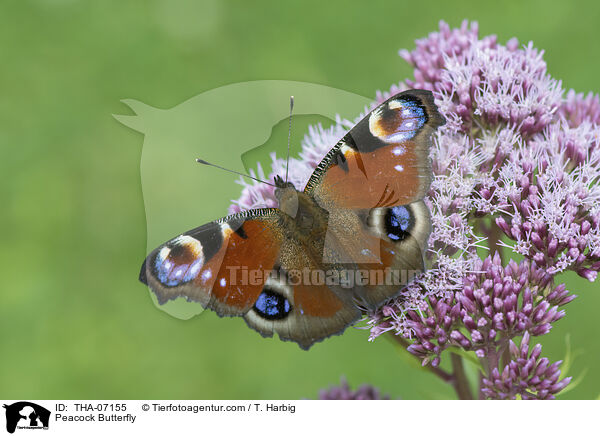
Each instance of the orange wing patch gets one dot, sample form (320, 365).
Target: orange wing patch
(316, 300)
(242, 264)
(387, 176)
(384, 160)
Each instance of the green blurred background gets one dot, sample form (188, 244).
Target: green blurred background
(74, 320)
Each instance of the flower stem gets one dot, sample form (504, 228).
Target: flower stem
(457, 379)
(460, 384)
(493, 234)
(480, 395)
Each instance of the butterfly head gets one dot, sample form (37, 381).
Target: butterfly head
(282, 184)
(287, 195)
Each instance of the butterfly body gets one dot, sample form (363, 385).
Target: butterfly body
(351, 238)
(302, 219)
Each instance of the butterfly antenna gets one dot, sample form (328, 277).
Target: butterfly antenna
(287, 163)
(232, 171)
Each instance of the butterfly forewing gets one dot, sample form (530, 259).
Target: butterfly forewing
(384, 160)
(213, 264)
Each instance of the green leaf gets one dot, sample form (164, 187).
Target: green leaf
(408, 358)
(574, 383)
(566, 366)
(469, 356)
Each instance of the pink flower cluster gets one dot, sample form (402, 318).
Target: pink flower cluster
(344, 392)
(516, 172)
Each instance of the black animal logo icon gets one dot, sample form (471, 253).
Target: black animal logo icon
(27, 415)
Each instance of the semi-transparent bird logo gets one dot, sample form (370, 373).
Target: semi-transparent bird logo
(219, 125)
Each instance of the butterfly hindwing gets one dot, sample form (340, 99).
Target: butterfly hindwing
(301, 312)
(383, 248)
(402, 232)
(384, 160)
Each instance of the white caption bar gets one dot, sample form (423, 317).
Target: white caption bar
(294, 417)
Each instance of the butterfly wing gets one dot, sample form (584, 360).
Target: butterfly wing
(207, 264)
(401, 233)
(383, 247)
(384, 160)
(250, 265)
(300, 309)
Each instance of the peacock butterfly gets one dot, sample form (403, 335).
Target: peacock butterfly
(346, 241)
